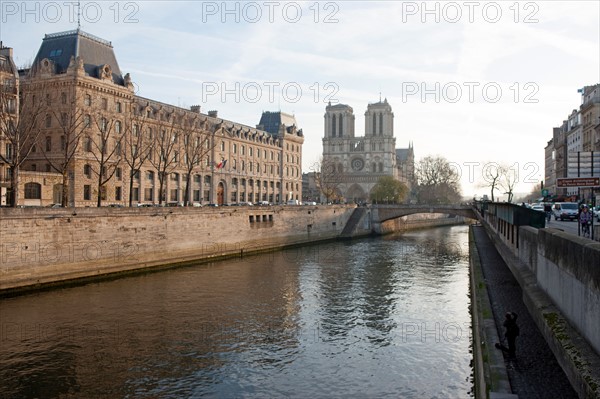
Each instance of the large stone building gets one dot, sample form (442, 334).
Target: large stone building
(359, 161)
(98, 138)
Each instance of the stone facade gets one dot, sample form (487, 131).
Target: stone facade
(9, 114)
(100, 139)
(361, 160)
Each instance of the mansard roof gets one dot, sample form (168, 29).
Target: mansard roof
(271, 121)
(94, 51)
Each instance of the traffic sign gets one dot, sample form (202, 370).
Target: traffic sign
(578, 182)
(544, 193)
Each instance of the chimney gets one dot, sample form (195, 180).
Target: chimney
(6, 51)
(195, 109)
(213, 114)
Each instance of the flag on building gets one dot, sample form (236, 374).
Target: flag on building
(222, 164)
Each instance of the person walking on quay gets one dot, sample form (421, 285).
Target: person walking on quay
(511, 333)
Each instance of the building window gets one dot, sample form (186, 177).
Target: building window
(374, 124)
(9, 151)
(135, 194)
(118, 127)
(381, 124)
(104, 104)
(119, 174)
(33, 191)
(87, 192)
(87, 121)
(333, 126)
(148, 194)
(103, 193)
(118, 107)
(48, 120)
(87, 170)
(87, 144)
(33, 167)
(48, 143)
(103, 124)
(118, 193)
(87, 100)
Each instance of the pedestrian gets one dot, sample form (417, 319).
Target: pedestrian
(511, 333)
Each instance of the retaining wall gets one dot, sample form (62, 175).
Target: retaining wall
(559, 274)
(40, 246)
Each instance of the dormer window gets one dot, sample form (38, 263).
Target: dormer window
(55, 53)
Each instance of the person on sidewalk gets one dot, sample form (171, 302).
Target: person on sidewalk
(511, 333)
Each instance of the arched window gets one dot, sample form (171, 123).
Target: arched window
(333, 126)
(341, 127)
(381, 124)
(33, 191)
(381, 166)
(374, 124)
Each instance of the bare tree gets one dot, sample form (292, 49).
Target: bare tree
(137, 145)
(508, 181)
(492, 176)
(72, 123)
(437, 181)
(20, 113)
(165, 157)
(328, 178)
(196, 149)
(107, 158)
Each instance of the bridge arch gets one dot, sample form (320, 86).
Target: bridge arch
(382, 213)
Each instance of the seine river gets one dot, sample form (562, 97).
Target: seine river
(370, 318)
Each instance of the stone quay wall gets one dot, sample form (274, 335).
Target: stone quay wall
(40, 246)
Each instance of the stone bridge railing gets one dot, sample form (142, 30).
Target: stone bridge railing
(381, 213)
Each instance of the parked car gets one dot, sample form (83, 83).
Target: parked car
(264, 203)
(538, 208)
(596, 211)
(565, 210)
(293, 202)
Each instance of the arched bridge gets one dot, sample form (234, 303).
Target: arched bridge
(381, 213)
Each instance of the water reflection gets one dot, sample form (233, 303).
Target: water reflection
(375, 317)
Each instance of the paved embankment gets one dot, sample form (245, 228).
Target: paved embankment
(534, 373)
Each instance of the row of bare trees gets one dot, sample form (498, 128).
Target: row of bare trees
(111, 142)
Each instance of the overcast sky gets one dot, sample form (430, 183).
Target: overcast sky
(475, 82)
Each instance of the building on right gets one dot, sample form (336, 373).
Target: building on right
(574, 150)
(352, 164)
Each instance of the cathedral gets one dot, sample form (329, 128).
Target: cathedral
(359, 161)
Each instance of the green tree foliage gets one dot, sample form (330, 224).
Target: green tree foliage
(388, 190)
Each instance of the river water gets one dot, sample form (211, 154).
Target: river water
(381, 317)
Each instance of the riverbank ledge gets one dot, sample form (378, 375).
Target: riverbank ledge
(42, 247)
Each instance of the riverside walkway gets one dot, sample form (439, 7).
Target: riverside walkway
(534, 373)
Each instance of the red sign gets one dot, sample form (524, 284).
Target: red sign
(578, 181)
